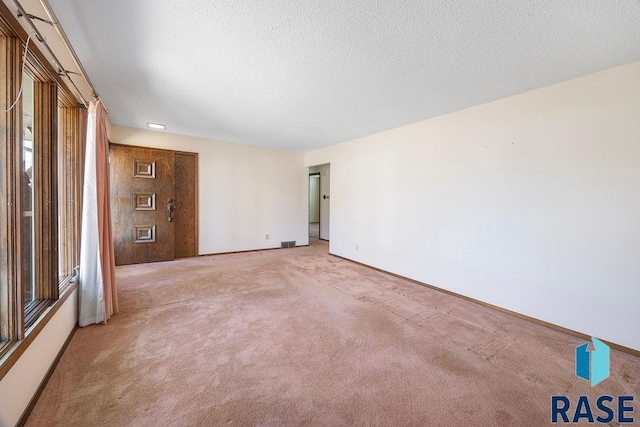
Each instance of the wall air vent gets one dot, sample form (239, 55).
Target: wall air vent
(285, 245)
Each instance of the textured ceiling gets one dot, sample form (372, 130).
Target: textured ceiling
(301, 75)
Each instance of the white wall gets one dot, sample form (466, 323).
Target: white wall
(531, 203)
(325, 204)
(23, 379)
(245, 192)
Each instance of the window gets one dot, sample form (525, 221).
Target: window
(28, 163)
(42, 127)
(64, 268)
(10, 121)
(71, 135)
(27, 186)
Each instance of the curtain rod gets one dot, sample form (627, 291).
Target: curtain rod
(22, 12)
(67, 44)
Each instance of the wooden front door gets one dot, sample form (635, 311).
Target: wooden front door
(153, 204)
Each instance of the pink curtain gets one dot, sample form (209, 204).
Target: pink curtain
(104, 214)
(98, 290)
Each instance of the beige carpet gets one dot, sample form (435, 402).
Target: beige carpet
(299, 337)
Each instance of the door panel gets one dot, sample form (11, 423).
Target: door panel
(185, 213)
(142, 182)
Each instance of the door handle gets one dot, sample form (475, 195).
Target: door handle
(170, 209)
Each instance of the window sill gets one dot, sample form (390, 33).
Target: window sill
(12, 350)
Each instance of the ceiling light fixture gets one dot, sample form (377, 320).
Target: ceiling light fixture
(157, 126)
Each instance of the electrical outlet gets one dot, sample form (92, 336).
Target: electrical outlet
(266, 237)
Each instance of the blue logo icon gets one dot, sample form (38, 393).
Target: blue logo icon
(593, 365)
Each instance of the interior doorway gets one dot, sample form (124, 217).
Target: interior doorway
(153, 204)
(314, 206)
(319, 230)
